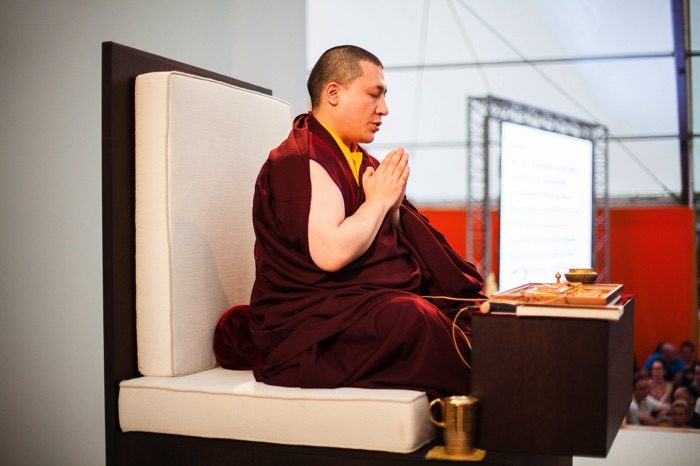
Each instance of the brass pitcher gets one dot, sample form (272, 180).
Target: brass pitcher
(458, 423)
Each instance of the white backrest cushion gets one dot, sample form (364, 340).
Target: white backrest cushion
(199, 146)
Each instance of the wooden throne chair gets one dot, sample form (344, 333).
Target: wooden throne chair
(181, 149)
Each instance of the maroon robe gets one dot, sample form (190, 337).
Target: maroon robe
(366, 324)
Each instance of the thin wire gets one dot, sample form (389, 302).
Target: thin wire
(520, 55)
(470, 46)
(572, 289)
(568, 96)
(450, 298)
(644, 168)
(456, 328)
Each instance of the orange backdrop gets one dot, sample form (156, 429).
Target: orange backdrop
(652, 252)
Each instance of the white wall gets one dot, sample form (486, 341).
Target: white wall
(51, 363)
(272, 53)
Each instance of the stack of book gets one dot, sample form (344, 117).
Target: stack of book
(574, 300)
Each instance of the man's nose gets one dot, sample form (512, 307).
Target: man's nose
(383, 109)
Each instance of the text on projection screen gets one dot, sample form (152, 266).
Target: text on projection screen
(546, 205)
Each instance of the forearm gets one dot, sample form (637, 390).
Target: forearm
(336, 240)
(647, 419)
(337, 247)
(667, 394)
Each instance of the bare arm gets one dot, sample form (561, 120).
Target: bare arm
(646, 419)
(666, 397)
(335, 241)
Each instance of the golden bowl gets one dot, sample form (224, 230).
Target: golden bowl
(581, 276)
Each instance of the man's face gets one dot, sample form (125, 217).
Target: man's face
(361, 105)
(641, 389)
(687, 353)
(668, 352)
(682, 393)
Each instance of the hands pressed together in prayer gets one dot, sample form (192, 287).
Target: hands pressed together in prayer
(387, 184)
(335, 240)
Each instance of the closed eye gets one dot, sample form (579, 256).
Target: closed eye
(378, 91)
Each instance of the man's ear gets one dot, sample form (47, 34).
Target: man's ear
(331, 93)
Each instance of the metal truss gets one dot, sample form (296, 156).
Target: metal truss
(483, 156)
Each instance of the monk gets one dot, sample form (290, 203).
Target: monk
(343, 259)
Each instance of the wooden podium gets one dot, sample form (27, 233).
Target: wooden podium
(551, 386)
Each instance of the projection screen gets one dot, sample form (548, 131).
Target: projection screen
(546, 204)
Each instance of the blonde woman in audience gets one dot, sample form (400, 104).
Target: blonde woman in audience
(659, 388)
(680, 414)
(683, 393)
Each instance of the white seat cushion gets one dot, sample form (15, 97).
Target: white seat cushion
(199, 146)
(220, 403)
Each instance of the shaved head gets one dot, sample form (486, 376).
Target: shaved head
(340, 65)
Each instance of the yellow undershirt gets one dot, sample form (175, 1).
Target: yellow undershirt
(354, 158)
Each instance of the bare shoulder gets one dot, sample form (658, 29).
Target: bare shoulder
(322, 185)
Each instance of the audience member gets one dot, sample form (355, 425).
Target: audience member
(687, 354)
(680, 413)
(644, 409)
(683, 393)
(668, 355)
(659, 388)
(694, 386)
